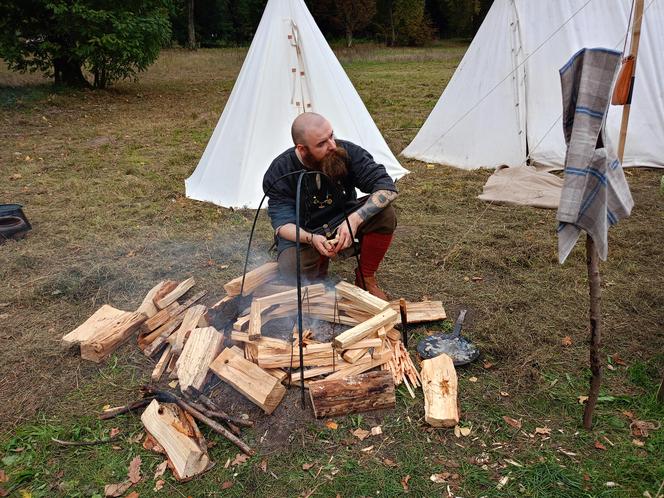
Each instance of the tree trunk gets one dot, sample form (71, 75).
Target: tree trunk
(68, 72)
(349, 36)
(190, 25)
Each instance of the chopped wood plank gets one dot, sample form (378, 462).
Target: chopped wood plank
(190, 321)
(423, 311)
(176, 293)
(147, 307)
(352, 355)
(161, 364)
(318, 371)
(375, 342)
(284, 360)
(201, 348)
(222, 302)
(277, 373)
(385, 319)
(168, 286)
(164, 423)
(255, 320)
(367, 362)
(160, 335)
(361, 298)
(241, 323)
(253, 279)
(264, 341)
(439, 383)
(89, 328)
(290, 296)
(359, 393)
(110, 337)
(170, 311)
(271, 288)
(249, 379)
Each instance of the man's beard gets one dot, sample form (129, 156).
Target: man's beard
(334, 165)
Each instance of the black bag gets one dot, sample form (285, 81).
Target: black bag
(13, 222)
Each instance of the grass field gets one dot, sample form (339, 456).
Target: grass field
(101, 177)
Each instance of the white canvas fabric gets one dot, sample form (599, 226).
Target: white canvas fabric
(505, 94)
(289, 69)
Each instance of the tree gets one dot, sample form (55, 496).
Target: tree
(65, 39)
(354, 15)
(191, 26)
(404, 22)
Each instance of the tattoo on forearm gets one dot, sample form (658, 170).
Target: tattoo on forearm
(378, 201)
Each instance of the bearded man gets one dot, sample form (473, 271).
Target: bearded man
(326, 199)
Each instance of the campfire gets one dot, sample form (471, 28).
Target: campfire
(350, 357)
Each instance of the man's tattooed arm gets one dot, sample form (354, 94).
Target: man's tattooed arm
(378, 201)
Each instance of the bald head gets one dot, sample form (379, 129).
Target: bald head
(303, 124)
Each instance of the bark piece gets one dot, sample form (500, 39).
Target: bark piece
(248, 378)
(164, 423)
(360, 393)
(202, 347)
(439, 383)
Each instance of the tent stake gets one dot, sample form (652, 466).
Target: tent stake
(592, 261)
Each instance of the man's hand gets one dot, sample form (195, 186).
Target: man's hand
(322, 245)
(344, 236)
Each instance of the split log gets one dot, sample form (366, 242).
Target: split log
(242, 323)
(367, 362)
(255, 320)
(193, 318)
(170, 311)
(253, 279)
(385, 319)
(164, 423)
(154, 341)
(176, 293)
(290, 297)
(360, 393)
(373, 342)
(202, 347)
(439, 383)
(249, 379)
(109, 338)
(271, 288)
(161, 364)
(423, 311)
(88, 329)
(361, 299)
(147, 307)
(168, 286)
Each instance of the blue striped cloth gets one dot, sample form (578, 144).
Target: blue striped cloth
(595, 193)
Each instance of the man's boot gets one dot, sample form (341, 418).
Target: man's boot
(372, 251)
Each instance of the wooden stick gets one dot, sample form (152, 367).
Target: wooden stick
(119, 410)
(84, 443)
(215, 407)
(634, 49)
(592, 261)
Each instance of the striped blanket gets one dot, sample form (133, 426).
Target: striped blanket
(595, 194)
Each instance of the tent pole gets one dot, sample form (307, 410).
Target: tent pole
(633, 50)
(592, 258)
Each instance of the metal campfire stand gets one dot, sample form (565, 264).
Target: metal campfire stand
(301, 173)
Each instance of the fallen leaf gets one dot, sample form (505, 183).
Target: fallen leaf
(566, 341)
(173, 384)
(638, 442)
(16, 176)
(477, 279)
(641, 428)
(543, 431)
(116, 448)
(611, 484)
(158, 485)
(502, 482)
(628, 414)
(161, 468)
(404, 483)
(504, 394)
(133, 494)
(389, 462)
(330, 424)
(25, 493)
(457, 431)
(466, 279)
(512, 422)
(239, 459)
(115, 490)
(472, 379)
(3, 476)
(582, 399)
(263, 465)
(610, 367)
(618, 360)
(440, 478)
(134, 473)
(488, 365)
(367, 449)
(136, 438)
(600, 446)
(361, 434)
(463, 431)
(376, 431)
(307, 466)
(3, 491)
(227, 464)
(227, 484)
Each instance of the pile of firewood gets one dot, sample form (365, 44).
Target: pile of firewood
(178, 333)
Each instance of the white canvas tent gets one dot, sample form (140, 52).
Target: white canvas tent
(504, 101)
(289, 69)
